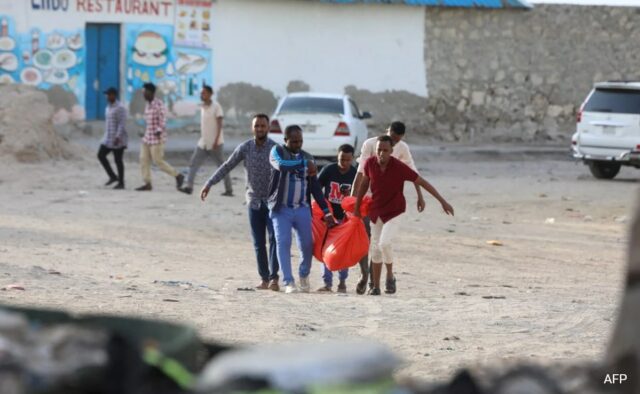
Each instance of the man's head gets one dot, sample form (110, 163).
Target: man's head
(260, 126)
(206, 93)
(149, 91)
(396, 131)
(384, 148)
(345, 156)
(112, 95)
(293, 138)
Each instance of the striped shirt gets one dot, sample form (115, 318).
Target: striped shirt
(155, 114)
(115, 121)
(294, 194)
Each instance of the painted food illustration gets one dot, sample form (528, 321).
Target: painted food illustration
(75, 42)
(8, 62)
(43, 59)
(7, 44)
(150, 49)
(57, 77)
(190, 64)
(31, 76)
(5, 79)
(64, 59)
(55, 41)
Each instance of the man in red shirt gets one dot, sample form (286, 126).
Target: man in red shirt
(387, 176)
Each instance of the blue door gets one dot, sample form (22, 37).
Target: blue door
(103, 66)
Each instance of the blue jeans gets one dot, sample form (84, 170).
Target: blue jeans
(327, 275)
(285, 220)
(260, 225)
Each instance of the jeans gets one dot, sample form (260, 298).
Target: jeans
(260, 225)
(284, 221)
(327, 276)
(117, 155)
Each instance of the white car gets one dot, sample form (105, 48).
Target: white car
(608, 128)
(327, 121)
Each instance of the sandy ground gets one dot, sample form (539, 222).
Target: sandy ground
(549, 294)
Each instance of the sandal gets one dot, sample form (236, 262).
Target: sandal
(361, 287)
(325, 289)
(374, 291)
(390, 286)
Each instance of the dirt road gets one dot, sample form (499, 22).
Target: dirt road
(548, 294)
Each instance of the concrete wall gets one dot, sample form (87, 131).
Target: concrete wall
(521, 75)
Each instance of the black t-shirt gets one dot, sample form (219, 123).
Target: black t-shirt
(336, 186)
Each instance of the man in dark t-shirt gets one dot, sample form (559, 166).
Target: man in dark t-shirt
(336, 180)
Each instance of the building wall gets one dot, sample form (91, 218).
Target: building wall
(263, 49)
(521, 75)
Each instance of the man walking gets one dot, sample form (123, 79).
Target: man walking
(335, 180)
(211, 140)
(115, 138)
(401, 151)
(255, 155)
(386, 176)
(293, 179)
(155, 136)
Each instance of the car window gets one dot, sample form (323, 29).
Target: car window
(354, 109)
(622, 101)
(312, 105)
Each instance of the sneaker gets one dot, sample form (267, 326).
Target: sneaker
(119, 186)
(342, 288)
(273, 285)
(291, 288)
(264, 285)
(111, 181)
(325, 289)
(179, 180)
(374, 291)
(186, 190)
(390, 286)
(227, 194)
(144, 188)
(305, 287)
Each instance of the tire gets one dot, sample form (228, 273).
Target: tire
(604, 169)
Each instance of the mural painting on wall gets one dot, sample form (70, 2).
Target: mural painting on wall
(178, 72)
(49, 61)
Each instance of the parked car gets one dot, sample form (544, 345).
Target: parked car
(327, 121)
(608, 128)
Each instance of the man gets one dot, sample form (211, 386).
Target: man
(401, 151)
(155, 136)
(335, 180)
(115, 138)
(386, 176)
(293, 179)
(255, 155)
(211, 140)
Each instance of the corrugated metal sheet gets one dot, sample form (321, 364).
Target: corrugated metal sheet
(446, 3)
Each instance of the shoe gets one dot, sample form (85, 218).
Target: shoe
(374, 291)
(304, 285)
(273, 285)
(361, 287)
(264, 285)
(390, 286)
(325, 289)
(186, 190)
(342, 288)
(179, 180)
(144, 188)
(119, 186)
(111, 181)
(227, 194)
(291, 288)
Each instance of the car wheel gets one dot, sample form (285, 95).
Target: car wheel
(604, 169)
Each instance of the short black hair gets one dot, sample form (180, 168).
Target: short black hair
(385, 138)
(346, 148)
(397, 127)
(261, 116)
(292, 129)
(208, 88)
(150, 87)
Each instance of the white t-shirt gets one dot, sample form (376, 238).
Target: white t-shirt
(209, 126)
(400, 151)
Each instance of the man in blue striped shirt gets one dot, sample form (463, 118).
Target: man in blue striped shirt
(293, 181)
(115, 138)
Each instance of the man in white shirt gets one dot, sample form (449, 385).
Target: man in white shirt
(401, 152)
(211, 140)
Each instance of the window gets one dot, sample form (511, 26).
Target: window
(354, 110)
(312, 105)
(622, 101)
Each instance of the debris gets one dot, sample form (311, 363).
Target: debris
(493, 242)
(246, 289)
(54, 272)
(462, 293)
(549, 221)
(588, 218)
(542, 195)
(621, 219)
(490, 297)
(452, 338)
(83, 193)
(169, 300)
(14, 286)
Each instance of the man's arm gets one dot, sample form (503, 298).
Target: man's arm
(216, 141)
(316, 192)
(160, 119)
(407, 159)
(365, 153)
(364, 186)
(282, 165)
(420, 181)
(236, 157)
